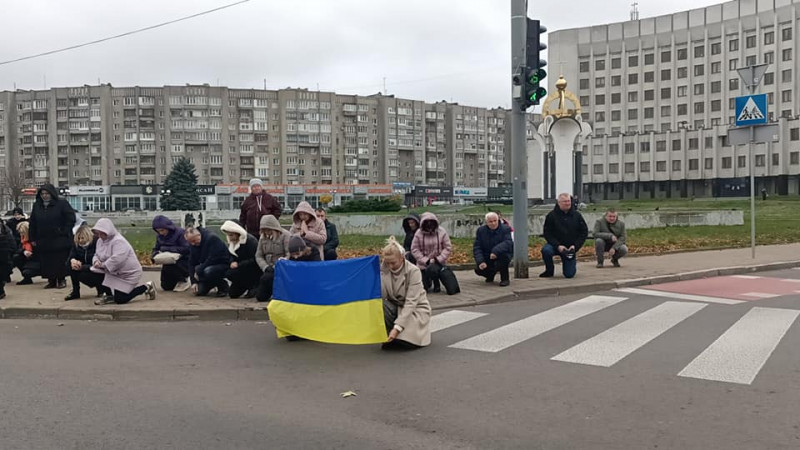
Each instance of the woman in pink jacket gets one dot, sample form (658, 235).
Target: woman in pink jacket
(306, 225)
(431, 247)
(116, 259)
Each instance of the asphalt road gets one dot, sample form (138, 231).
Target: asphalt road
(612, 371)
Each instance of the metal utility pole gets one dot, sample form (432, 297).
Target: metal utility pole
(519, 161)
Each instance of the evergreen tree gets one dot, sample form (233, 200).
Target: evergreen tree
(180, 188)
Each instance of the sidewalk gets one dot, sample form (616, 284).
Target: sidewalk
(34, 302)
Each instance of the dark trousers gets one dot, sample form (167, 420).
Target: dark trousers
(212, 277)
(121, 298)
(242, 279)
(171, 275)
(390, 311)
(602, 246)
(87, 277)
(568, 265)
(29, 268)
(265, 283)
(493, 266)
(430, 276)
(330, 254)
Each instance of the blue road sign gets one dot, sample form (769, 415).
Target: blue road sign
(751, 110)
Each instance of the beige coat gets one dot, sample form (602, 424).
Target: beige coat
(270, 250)
(414, 311)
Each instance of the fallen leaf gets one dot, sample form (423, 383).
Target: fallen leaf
(348, 394)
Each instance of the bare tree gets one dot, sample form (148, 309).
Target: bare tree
(12, 185)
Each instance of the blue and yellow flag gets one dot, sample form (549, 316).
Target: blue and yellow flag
(338, 302)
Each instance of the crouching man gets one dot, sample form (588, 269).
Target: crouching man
(610, 236)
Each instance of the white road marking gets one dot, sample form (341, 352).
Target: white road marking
(449, 319)
(614, 344)
(677, 296)
(739, 354)
(746, 277)
(530, 327)
(760, 295)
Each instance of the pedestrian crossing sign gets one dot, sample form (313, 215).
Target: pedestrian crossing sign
(751, 110)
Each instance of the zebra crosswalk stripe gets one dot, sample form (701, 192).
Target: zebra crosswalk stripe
(449, 319)
(530, 327)
(614, 344)
(739, 354)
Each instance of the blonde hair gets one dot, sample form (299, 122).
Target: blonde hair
(84, 235)
(393, 247)
(22, 229)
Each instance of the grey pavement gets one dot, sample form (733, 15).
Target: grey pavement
(35, 302)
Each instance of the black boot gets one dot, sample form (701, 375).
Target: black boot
(72, 295)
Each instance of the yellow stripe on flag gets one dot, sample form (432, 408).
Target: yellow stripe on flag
(359, 322)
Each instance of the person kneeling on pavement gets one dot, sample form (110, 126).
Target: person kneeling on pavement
(431, 248)
(8, 246)
(332, 239)
(25, 259)
(172, 252)
(306, 225)
(610, 236)
(565, 232)
(115, 258)
(208, 261)
(410, 226)
(243, 272)
(302, 250)
(273, 245)
(80, 262)
(493, 249)
(406, 310)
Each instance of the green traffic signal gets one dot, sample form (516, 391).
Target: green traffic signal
(537, 76)
(537, 95)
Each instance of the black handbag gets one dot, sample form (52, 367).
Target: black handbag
(448, 279)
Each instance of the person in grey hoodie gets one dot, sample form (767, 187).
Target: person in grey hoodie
(272, 245)
(610, 236)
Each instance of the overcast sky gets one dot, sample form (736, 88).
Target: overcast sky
(454, 50)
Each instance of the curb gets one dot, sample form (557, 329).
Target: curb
(258, 313)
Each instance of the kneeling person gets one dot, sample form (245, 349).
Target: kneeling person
(493, 249)
(208, 262)
(243, 272)
(116, 260)
(80, 264)
(610, 236)
(406, 310)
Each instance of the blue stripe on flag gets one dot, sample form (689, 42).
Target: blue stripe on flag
(328, 282)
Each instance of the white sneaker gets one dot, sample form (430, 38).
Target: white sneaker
(151, 291)
(183, 286)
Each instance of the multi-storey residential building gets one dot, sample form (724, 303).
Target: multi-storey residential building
(660, 94)
(130, 136)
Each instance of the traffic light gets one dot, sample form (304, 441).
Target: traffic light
(533, 90)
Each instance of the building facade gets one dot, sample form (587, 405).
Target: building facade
(132, 136)
(660, 95)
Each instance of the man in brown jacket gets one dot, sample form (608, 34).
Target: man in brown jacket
(256, 206)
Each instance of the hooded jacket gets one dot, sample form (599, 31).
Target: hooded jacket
(429, 247)
(269, 250)
(409, 232)
(565, 228)
(173, 242)
(488, 241)
(8, 247)
(119, 263)
(51, 224)
(243, 252)
(316, 234)
(83, 254)
(255, 207)
(210, 252)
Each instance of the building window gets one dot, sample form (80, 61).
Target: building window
(682, 91)
(683, 72)
(786, 54)
(733, 64)
(786, 96)
(682, 53)
(613, 149)
(648, 113)
(649, 95)
(666, 93)
(661, 146)
(699, 70)
(699, 89)
(733, 45)
(709, 163)
(676, 165)
(600, 64)
(716, 67)
(616, 98)
(616, 115)
(693, 143)
(794, 158)
(599, 82)
(716, 87)
(726, 162)
(597, 169)
(776, 159)
(750, 61)
(616, 80)
(633, 61)
(769, 78)
(584, 66)
(633, 78)
(616, 63)
(676, 145)
(666, 56)
(750, 41)
(644, 147)
(694, 164)
(699, 51)
(741, 162)
(648, 59)
(709, 141)
(649, 77)
(716, 105)
(630, 148)
(661, 166)
(716, 48)
(633, 114)
(769, 57)
(794, 134)
(682, 110)
(633, 97)
(584, 83)
(613, 168)
(699, 108)
(769, 37)
(733, 84)
(600, 99)
(665, 111)
(644, 166)
(600, 116)
(760, 160)
(786, 76)
(786, 34)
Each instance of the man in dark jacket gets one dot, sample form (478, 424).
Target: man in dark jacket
(243, 271)
(257, 205)
(7, 248)
(410, 226)
(332, 241)
(565, 232)
(170, 239)
(208, 262)
(493, 249)
(51, 223)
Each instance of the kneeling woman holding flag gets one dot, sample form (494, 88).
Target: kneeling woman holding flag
(406, 310)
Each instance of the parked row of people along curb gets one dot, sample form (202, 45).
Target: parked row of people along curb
(258, 313)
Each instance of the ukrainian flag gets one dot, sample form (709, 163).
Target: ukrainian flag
(338, 302)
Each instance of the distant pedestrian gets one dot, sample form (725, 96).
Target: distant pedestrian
(493, 249)
(26, 259)
(410, 226)
(302, 250)
(763, 193)
(272, 246)
(406, 310)
(306, 225)
(332, 236)
(51, 225)
(431, 248)
(610, 236)
(257, 205)
(7, 247)
(172, 252)
(565, 232)
(81, 258)
(243, 272)
(116, 259)
(209, 260)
